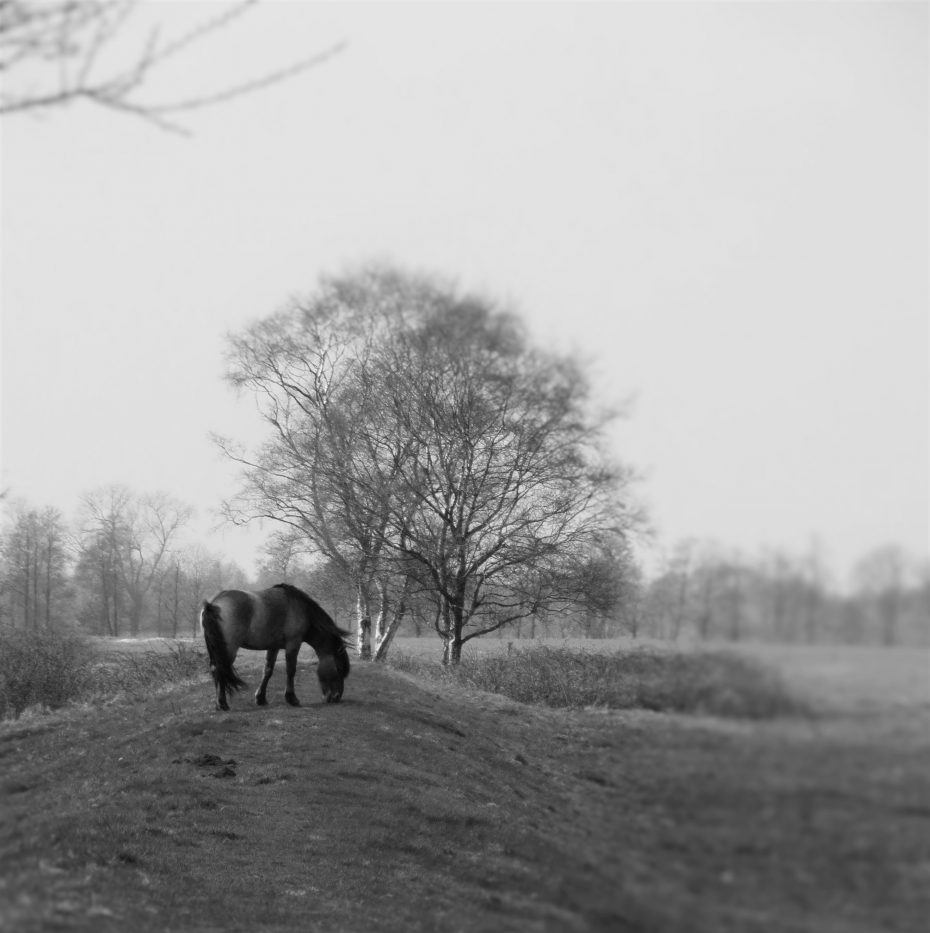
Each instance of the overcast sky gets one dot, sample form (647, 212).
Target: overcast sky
(723, 206)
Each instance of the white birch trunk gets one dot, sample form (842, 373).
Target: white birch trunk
(363, 642)
(387, 634)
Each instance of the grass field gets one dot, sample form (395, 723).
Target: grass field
(417, 805)
(838, 677)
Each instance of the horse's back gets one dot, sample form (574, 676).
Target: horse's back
(259, 620)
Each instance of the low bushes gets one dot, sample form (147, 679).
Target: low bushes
(139, 672)
(41, 668)
(717, 683)
(50, 668)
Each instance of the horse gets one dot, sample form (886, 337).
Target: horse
(282, 616)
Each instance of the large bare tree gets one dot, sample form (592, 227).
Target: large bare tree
(505, 483)
(329, 470)
(421, 443)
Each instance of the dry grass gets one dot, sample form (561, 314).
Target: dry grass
(718, 683)
(46, 668)
(51, 668)
(165, 815)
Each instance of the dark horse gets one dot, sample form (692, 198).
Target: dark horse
(280, 617)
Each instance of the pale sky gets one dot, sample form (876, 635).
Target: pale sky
(723, 206)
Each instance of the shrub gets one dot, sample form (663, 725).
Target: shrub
(50, 668)
(46, 668)
(139, 672)
(719, 683)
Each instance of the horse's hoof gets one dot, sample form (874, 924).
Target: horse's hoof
(292, 699)
(261, 701)
(222, 707)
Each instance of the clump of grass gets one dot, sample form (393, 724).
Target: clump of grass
(137, 673)
(46, 668)
(51, 668)
(716, 683)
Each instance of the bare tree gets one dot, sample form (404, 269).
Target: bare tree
(880, 580)
(56, 52)
(102, 540)
(506, 478)
(419, 443)
(124, 541)
(671, 591)
(198, 574)
(778, 576)
(34, 565)
(329, 471)
(605, 584)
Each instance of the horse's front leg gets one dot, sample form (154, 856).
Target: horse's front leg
(290, 666)
(270, 657)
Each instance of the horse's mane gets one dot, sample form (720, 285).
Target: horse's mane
(322, 618)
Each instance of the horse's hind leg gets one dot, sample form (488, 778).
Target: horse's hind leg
(290, 666)
(270, 657)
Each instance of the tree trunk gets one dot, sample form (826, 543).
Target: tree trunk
(384, 599)
(363, 643)
(679, 615)
(452, 649)
(455, 649)
(135, 615)
(736, 610)
(177, 602)
(35, 586)
(159, 607)
(384, 641)
(48, 588)
(26, 584)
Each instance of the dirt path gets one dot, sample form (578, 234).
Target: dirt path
(407, 808)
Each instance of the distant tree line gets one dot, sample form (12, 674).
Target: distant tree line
(119, 568)
(705, 592)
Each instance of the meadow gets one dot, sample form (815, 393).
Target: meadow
(427, 802)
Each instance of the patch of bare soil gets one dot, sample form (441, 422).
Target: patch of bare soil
(414, 807)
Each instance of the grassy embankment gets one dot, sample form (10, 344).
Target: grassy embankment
(165, 815)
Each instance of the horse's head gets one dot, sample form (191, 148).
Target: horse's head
(332, 671)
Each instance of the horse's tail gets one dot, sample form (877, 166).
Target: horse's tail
(224, 674)
(342, 659)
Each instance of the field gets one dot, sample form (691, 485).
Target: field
(422, 806)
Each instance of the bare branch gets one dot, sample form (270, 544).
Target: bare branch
(53, 50)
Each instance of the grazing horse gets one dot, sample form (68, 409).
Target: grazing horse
(280, 617)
